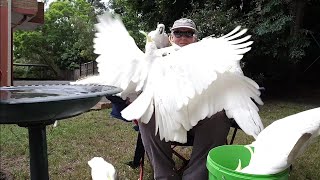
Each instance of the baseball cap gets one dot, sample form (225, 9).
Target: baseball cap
(184, 23)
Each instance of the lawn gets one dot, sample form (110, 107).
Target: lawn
(95, 133)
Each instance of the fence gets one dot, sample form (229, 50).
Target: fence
(32, 71)
(88, 69)
(43, 72)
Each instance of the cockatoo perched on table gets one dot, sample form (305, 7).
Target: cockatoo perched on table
(182, 87)
(280, 143)
(101, 169)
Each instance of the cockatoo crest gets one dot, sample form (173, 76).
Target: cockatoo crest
(101, 169)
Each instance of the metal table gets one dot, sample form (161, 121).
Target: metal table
(35, 107)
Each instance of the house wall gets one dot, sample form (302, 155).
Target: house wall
(5, 43)
(27, 7)
(13, 14)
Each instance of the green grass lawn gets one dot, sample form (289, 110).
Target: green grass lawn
(76, 140)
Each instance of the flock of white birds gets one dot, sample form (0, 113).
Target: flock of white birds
(182, 85)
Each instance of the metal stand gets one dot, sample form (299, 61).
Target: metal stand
(41, 105)
(38, 152)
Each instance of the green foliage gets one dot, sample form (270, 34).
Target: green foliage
(145, 14)
(70, 25)
(99, 6)
(219, 20)
(281, 30)
(64, 41)
(278, 47)
(272, 24)
(131, 19)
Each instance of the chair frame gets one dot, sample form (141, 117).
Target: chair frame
(189, 143)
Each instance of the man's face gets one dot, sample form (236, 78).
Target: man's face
(183, 36)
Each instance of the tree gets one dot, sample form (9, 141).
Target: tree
(280, 38)
(99, 6)
(145, 14)
(64, 41)
(285, 33)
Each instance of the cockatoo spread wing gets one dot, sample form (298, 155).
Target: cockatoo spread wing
(180, 86)
(281, 142)
(119, 57)
(195, 82)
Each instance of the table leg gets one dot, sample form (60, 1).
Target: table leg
(38, 152)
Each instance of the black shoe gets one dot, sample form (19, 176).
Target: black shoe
(136, 128)
(132, 164)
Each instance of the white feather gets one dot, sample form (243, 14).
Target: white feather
(119, 56)
(101, 169)
(179, 85)
(280, 143)
(188, 87)
(159, 36)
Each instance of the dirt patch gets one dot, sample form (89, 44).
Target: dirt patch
(5, 175)
(6, 164)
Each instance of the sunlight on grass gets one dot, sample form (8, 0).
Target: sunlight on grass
(76, 140)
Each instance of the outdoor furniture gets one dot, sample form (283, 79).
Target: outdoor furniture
(118, 104)
(189, 142)
(35, 107)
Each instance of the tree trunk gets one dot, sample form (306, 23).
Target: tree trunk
(297, 12)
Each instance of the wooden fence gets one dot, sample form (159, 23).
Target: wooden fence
(88, 69)
(32, 71)
(43, 72)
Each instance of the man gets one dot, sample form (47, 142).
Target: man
(207, 134)
(183, 32)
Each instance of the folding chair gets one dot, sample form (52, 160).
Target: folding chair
(189, 142)
(235, 127)
(119, 104)
(185, 160)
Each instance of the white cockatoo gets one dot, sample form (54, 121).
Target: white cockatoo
(182, 87)
(281, 142)
(101, 169)
(159, 36)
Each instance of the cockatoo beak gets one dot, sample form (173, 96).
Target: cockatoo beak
(148, 37)
(161, 30)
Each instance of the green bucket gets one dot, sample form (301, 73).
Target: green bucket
(223, 160)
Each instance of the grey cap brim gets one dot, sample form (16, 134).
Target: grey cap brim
(188, 27)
